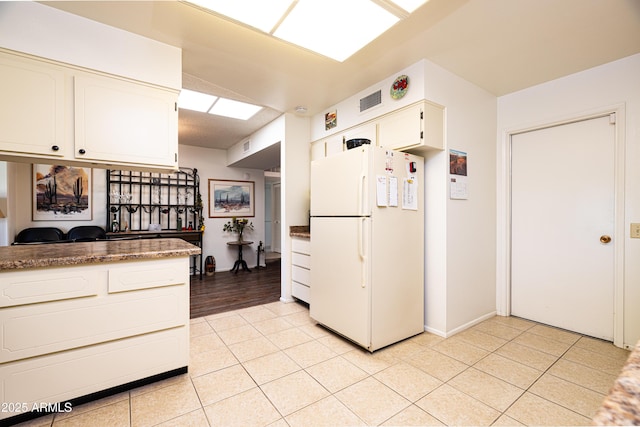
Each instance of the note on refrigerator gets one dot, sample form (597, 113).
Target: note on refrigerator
(410, 194)
(381, 190)
(393, 191)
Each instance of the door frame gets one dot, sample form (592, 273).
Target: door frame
(276, 223)
(503, 238)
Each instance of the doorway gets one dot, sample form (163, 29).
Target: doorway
(273, 221)
(277, 220)
(563, 225)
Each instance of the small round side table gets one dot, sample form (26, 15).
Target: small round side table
(240, 263)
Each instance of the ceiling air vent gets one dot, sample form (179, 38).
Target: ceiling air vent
(246, 147)
(371, 100)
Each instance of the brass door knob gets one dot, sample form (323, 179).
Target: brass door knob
(605, 239)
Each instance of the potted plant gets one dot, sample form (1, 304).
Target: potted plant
(238, 225)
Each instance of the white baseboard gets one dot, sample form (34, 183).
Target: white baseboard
(460, 328)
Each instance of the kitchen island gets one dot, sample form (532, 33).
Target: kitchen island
(85, 319)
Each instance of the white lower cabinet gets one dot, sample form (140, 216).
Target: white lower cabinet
(90, 328)
(301, 268)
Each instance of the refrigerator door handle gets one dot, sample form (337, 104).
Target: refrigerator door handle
(361, 192)
(361, 251)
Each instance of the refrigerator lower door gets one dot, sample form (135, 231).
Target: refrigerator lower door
(340, 297)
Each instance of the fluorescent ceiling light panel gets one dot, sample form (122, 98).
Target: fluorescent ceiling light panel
(234, 109)
(410, 5)
(196, 101)
(335, 28)
(260, 14)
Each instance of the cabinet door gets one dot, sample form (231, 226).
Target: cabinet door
(334, 145)
(317, 150)
(125, 122)
(401, 129)
(368, 131)
(416, 128)
(31, 107)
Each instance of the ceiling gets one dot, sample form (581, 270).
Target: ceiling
(500, 45)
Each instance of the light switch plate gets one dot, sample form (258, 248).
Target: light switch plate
(635, 230)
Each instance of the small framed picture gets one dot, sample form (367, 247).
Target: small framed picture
(330, 120)
(62, 193)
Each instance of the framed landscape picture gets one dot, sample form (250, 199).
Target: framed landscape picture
(231, 198)
(61, 193)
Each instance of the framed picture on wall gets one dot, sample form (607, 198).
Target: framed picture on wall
(61, 193)
(231, 198)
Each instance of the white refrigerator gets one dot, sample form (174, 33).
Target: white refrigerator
(367, 245)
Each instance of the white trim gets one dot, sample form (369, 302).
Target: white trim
(503, 230)
(462, 327)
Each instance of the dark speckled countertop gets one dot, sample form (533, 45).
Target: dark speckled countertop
(303, 231)
(77, 253)
(622, 406)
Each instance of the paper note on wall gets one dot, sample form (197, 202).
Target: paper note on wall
(410, 194)
(458, 188)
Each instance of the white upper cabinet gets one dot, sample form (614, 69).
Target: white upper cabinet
(32, 116)
(54, 112)
(365, 131)
(415, 128)
(125, 122)
(336, 143)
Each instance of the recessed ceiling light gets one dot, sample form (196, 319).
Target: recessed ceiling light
(234, 109)
(335, 28)
(196, 101)
(410, 5)
(260, 14)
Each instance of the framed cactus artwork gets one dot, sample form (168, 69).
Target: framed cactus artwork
(61, 193)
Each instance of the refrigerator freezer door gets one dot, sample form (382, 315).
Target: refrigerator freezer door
(340, 276)
(340, 184)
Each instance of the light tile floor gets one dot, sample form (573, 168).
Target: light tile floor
(270, 365)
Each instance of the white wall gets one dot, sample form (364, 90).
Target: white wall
(43, 31)
(460, 234)
(212, 164)
(348, 110)
(4, 222)
(295, 189)
(597, 89)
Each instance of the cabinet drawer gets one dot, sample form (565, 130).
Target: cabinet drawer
(37, 329)
(87, 370)
(148, 274)
(300, 291)
(301, 260)
(300, 275)
(29, 287)
(302, 246)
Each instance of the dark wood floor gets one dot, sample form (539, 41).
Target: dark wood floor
(226, 291)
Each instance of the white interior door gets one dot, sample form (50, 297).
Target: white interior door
(275, 231)
(562, 213)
